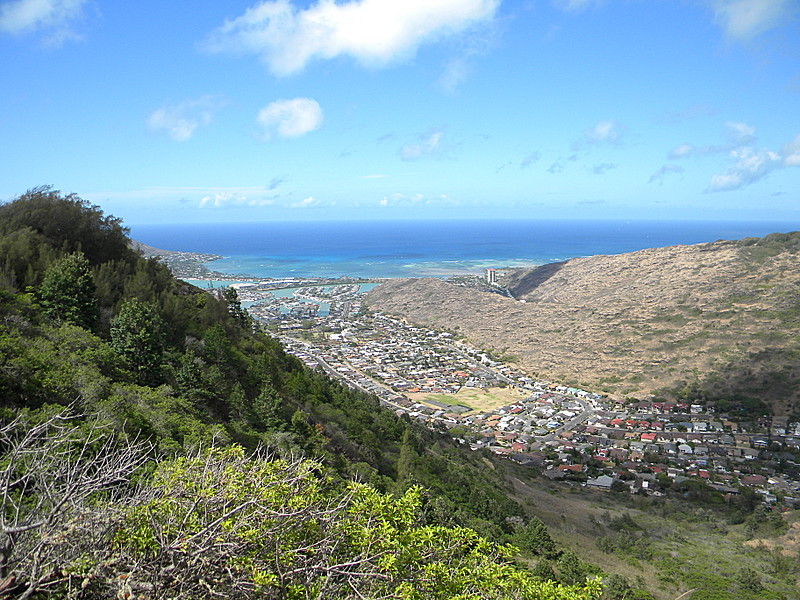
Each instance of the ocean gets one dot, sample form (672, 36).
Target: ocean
(426, 248)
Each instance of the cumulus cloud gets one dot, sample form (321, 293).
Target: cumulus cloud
(180, 121)
(374, 32)
(740, 133)
(393, 200)
(556, 167)
(532, 158)
(736, 135)
(53, 16)
(430, 143)
(751, 166)
(250, 197)
(290, 118)
(681, 151)
(605, 131)
(665, 170)
(742, 20)
(309, 202)
(791, 153)
(246, 197)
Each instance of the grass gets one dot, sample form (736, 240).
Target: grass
(478, 400)
(688, 546)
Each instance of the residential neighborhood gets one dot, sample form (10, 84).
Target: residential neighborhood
(569, 434)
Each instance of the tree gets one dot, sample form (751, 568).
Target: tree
(68, 223)
(57, 483)
(572, 571)
(239, 314)
(535, 538)
(67, 292)
(137, 334)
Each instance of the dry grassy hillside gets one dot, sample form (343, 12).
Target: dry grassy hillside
(714, 321)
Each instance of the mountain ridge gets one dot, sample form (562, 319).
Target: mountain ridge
(717, 321)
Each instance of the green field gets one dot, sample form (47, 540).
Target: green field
(478, 400)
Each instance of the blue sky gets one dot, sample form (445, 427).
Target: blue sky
(164, 112)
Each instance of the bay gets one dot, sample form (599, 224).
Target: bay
(426, 248)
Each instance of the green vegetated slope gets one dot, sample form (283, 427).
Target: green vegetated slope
(715, 322)
(154, 444)
(669, 545)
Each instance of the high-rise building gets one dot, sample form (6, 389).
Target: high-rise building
(491, 276)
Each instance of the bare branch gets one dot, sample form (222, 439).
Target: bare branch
(60, 478)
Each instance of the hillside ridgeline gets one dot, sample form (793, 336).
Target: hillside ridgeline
(708, 322)
(156, 444)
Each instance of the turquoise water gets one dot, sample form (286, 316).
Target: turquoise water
(427, 248)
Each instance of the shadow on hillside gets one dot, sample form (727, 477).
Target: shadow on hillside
(534, 278)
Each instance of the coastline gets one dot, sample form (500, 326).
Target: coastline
(384, 249)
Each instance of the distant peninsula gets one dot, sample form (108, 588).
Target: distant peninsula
(186, 265)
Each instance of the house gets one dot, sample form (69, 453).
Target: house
(603, 482)
(640, 486)
(754, 480)
(570, 468)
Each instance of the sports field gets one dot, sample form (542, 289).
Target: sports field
(479, 400)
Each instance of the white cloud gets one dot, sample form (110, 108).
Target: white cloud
(290, 118)
(417, 200)
(428, 144)
(374, 32)
(305, 203)
(180, 121)
(530, 159)
(605, 131)
(744, 19)
(736, 134)
(253, 198)
(228, 197)
(751, 166)
(225, 200)
(791, 153)
(740, 133)
(681, 151)
(53, 16)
